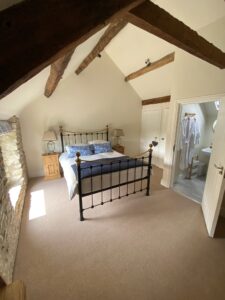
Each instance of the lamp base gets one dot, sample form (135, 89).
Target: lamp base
(51, 147)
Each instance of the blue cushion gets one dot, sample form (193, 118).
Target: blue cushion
(83, 149)
(102, 148)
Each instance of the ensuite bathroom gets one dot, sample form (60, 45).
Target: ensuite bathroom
(194, 144)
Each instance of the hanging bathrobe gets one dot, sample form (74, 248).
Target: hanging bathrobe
(189, 137)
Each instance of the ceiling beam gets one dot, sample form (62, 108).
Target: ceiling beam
(33, 34)
(113, 29)
(156, 100)
(157, 21)
(56, 73)
(155, 65)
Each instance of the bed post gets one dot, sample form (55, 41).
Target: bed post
(78, 161)
(107, 132)
(61, 136)
(149, 168)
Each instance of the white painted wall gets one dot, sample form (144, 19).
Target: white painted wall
(187, 77)
(97, 97)
(129, 50)
(209, 131)
(192, 80)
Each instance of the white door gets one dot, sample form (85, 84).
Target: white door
(215, 185)
(162, 137)
(150, 131)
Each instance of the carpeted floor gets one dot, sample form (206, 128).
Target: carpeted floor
(145, 248)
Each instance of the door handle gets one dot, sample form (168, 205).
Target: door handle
(219, 168)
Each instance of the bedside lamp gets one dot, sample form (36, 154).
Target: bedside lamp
(117, 133)
(50, 137)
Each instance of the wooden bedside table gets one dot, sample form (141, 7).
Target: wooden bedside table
(118, 148)
(51, 165)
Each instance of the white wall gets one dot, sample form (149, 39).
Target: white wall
(193, 78)
(129, 50)
(97, 97)
(209, 131)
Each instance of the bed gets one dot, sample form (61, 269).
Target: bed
(107, 174)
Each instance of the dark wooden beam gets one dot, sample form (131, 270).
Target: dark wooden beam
(155, 65)
(109, 34)
(56, 73)
(157, 21)
(156, 100)
(34, 34)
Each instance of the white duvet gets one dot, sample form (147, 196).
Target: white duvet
(69, 174)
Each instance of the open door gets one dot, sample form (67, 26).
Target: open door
(215, 182)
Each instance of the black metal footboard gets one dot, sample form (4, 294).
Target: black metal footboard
(125, 183)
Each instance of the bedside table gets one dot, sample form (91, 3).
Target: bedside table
(118, 148)
(51, 165)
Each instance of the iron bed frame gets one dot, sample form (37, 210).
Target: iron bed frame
(83, 137)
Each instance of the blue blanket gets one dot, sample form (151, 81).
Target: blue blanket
(107, 165)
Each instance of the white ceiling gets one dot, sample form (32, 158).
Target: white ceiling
(34, 88)
(128, 50)
(132, 46)
(194, 13)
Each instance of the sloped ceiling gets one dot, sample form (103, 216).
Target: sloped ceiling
(7, 3)
(132, 46)
(15, 102)
(195, 14)
(128, 50)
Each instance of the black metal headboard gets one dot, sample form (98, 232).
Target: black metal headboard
(70, 138)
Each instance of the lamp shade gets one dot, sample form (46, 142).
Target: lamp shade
(118, 132)
(49, 136)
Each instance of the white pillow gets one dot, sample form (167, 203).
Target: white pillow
(97, 142)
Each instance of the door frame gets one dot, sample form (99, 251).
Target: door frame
(178, 104)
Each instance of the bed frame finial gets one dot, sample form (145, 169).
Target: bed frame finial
(150, 148)
(78, 160)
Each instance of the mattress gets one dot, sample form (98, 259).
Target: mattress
(105, 181)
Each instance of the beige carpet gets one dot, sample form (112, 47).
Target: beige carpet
(147, 248)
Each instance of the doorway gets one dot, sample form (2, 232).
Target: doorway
(193, 147)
